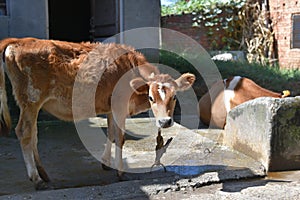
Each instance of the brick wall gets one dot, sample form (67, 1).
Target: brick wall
(281, 15)
(184, 24)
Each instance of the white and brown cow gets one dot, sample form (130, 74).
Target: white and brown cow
(227, 94)
(43, 73)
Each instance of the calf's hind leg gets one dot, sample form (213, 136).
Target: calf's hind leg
(26, 132)
(40, 168)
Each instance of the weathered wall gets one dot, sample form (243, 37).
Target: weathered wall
(4, 26)
(25, 19)
(140, 14)
(28, 20)
(267, 129)
(281, 15)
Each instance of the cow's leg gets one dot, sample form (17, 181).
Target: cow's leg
(26, 131)
(106, 156)
(119, 141)
(40, 168)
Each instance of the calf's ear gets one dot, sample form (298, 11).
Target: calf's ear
(139, 86)
(185, 81)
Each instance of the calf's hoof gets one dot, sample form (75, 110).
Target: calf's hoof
(106, 167)
(123, 176)
(43, 174)
(41, 185)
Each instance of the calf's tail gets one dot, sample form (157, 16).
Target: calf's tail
(5, 120)
(285, 93)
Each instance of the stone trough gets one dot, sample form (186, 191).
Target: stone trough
(268, 130)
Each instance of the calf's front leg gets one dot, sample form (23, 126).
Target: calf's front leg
(106, 156)
(114, 133)
(119, 127)
(119, 140)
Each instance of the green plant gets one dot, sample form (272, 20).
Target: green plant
(184, 7)
(270, 77)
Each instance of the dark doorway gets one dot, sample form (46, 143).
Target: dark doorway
(69, 20)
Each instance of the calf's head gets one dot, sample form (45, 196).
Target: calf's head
(161, 90)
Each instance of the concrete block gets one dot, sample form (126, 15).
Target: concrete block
(268, 130)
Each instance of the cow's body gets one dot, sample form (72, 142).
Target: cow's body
(227, 94)
(43, 74)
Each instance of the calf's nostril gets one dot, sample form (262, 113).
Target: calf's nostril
(165, 123)
(169, 122)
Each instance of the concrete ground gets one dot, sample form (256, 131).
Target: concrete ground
(198, 167)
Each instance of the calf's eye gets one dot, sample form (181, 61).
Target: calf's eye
(150, 98)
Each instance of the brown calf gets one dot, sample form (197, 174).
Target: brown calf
(43, 74)
(227, 94)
